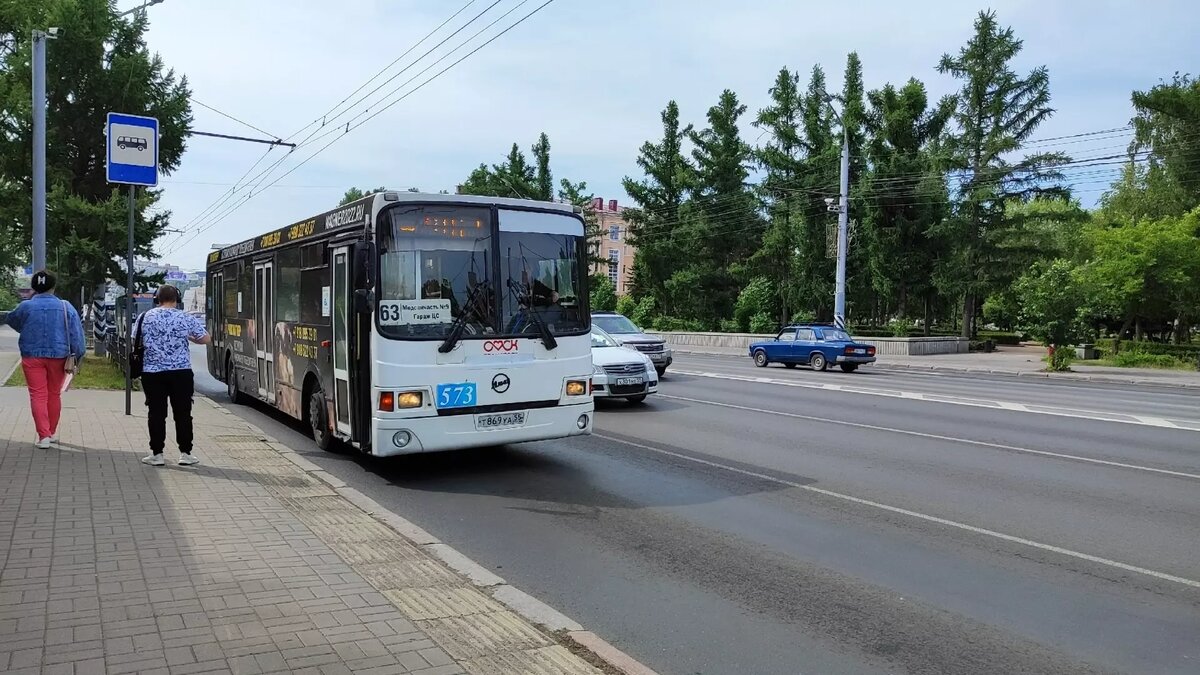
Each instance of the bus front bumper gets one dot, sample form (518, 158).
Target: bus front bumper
(456, 432)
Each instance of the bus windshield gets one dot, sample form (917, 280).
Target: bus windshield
(437, 265)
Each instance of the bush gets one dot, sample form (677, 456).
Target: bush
(626, 305)
(1061, 358)
(671, 323)
(1000, 337)
(1135, 359)
(762, 323)
(1185, 352)
(730, 326)
(603, 296)
(758, 297)
(642, 313)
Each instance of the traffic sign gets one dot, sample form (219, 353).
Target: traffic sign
(132, 156)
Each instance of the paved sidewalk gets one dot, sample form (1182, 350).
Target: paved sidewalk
(1023, 361)
(246, 563)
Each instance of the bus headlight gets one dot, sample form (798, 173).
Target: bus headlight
(401, 438)
(409, 399)
(576, 387)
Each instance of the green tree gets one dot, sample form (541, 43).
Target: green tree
(724, 227)
(659, 196)
(1051, 298)
(354, 194)
(103, 65)
(603, 295)
(543, 179)
(781, 158)
(816, 181)
(997, 112)
(905, 196)
(514, 177)
(1167, 124)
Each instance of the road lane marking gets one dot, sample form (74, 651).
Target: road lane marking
(1122, 418)
(938, 437)
(915, 514)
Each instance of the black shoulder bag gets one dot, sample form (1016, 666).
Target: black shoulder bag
(137, 355)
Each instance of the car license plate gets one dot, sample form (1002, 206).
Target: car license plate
(506, 420)
(658, 357)
(456, 395)
(860, 351)
(628, 381)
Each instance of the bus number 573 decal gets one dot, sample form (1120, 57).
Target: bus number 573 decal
(456, 395)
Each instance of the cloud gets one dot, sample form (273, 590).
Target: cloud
(593, 75)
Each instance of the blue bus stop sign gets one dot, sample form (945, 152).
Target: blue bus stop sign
(132, 156)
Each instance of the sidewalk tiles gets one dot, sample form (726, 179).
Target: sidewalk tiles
(246, 563)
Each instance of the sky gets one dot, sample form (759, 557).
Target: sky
(594, 75)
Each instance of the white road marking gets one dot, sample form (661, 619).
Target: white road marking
(938, 437)
(1121, 418)
(916, 514)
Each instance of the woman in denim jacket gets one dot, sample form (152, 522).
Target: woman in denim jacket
(51, 333)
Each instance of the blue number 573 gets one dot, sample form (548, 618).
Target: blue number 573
(456, 395)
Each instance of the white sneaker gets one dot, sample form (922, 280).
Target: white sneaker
(54, 439)
(44, 443)
(154, 460)
(187, 459)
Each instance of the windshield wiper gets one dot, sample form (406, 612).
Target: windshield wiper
(459, 323)
(538, 322)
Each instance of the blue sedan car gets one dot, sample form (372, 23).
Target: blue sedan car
(815, 345)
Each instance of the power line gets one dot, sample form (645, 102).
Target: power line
(441, 72)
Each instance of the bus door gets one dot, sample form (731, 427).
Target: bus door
(215, 298)
(264, 329)
(341, 338)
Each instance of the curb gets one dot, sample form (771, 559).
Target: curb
(934, 368)
(526, 606)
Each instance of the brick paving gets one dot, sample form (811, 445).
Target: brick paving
(245, 563)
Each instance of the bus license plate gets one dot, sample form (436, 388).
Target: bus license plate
(500, 420)
(628, 381)
(456, 395)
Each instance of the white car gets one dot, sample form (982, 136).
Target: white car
(620, 372)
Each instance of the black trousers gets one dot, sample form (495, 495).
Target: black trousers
(175, 387)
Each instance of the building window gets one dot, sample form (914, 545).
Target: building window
(614, 266)
(614, 232)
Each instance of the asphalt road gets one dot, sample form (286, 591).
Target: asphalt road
(787, 521)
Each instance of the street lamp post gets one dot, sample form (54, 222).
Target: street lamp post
(39, 145)
(843, 211)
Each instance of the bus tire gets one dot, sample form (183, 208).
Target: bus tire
(318, 418)
(235, 396)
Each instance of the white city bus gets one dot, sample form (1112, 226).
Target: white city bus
(407, 322)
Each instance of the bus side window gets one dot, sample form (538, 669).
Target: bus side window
(314, 278)
(231, 290)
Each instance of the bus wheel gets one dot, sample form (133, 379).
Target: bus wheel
(318, 419)
(231, 383)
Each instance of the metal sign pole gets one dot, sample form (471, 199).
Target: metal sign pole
(129, 305)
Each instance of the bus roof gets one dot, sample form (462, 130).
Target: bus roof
(355, 214)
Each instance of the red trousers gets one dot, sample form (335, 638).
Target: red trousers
(44, 377)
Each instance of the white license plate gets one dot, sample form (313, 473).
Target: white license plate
(628, 381)
(658, 357)
(500, 420)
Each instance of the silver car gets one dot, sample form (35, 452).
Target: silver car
(629, 335)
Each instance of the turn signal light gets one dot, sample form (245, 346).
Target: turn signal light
(576, 387)
(409, 399)
(387, 401)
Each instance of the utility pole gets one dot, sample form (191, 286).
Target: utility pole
(39, 145)
(843, 211)
(839, 291)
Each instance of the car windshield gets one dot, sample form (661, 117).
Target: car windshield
(615, 323)
(602, 339)
(836, 335)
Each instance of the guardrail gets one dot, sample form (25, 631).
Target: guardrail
(896, 346)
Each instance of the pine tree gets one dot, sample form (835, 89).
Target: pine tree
(655, 219)
(543, 182)
(997, 111)
(905, 196)
(781, 159)
(817, 180)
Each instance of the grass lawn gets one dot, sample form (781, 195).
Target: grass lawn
(96, 372)
(1157, 364)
